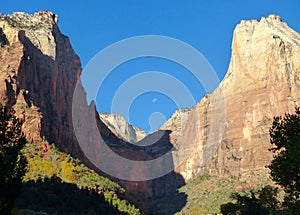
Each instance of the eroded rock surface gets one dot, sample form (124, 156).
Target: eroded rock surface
(121, 128)
(39, 71)
(262, 82)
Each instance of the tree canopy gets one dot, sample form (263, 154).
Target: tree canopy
(12, 162)
(285, 167)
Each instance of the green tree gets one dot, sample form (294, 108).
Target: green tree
(12, 162)
(261, 202)
(285, 167)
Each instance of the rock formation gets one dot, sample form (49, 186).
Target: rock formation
(39, 71)
(262, 82)
(176, 124)
(42, 68)
(121, 128)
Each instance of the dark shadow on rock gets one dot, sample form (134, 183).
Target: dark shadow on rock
(159, 195)
(51, 83)
(56, 197)
(3, 40)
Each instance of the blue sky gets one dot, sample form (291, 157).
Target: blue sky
(205, 25)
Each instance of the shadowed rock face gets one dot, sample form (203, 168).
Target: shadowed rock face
(39, 71)
(43, 71)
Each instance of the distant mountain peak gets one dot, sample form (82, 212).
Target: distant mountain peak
(121, 128)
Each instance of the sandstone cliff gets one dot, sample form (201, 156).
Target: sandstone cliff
(176, 123)
(121, 128)
(39, 71)
(262, 82)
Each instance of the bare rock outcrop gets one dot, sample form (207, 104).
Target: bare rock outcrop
(46, 68)
(262, 82)
(121, 128)
(176, 124)
(39, 71)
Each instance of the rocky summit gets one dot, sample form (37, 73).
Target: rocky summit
(121, 128)
(227, 133)
(262, 82)
(39, 70)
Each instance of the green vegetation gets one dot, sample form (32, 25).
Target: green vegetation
(12, 162)
(62, 165)
(53, 196)
(38, 181)
(61, 170)
(285, 171)
(206, 193)
(11, 21)
(263, 201)
(285, 167)
(53, 182)
(18, 24)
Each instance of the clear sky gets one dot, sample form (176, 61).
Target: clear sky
(205, 25)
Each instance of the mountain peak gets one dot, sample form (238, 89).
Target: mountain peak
(262, 81)
(40, 28)
(270, 27)
(21, 19)
(259, 45)
(121, 128)
(272, 17)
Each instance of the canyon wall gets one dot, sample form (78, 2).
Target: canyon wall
(263, 81)
(39, 71)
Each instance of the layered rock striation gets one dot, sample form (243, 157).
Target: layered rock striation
(121, 128)
(226, 133)
(39, 72)
(263, 81)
